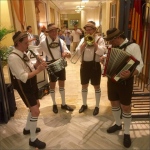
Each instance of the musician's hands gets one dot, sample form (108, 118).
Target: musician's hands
(125, 74)
(42, 66)
(40, 59)
(103, 59)
(65, 54)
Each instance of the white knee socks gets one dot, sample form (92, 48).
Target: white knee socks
(27, 127)
(52, 93)
(116, 113)
(33, 125)
(84, 96)
(62, 94)
(97, 97)
(127, 121)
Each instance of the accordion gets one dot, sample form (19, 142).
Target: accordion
(118, 60)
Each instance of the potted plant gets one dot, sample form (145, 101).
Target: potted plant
(4, 50)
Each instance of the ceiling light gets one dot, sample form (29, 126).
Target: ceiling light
(85, 0)
(80, 6)
(77, 10)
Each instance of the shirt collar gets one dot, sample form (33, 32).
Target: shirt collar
(56, 40)
(124, 42)
(18, 52)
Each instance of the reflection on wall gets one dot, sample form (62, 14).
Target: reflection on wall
(52, 14)
(41, 16)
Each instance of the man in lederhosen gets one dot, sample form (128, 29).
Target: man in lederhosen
(55, 48)
(120, 93)
(24, 81)
(90, 64)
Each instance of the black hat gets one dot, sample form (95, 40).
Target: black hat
(113, 33)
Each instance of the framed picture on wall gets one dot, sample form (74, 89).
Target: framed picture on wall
(74, 21)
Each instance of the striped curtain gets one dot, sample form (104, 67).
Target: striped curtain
(18, 6)
(136, 22)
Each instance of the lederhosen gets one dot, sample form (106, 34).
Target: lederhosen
(28, 91)
(90, 70)
(121, 91)
(60, 75)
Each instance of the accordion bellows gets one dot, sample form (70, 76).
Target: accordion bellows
(117, 61)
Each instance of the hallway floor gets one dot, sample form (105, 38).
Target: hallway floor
(73, 131)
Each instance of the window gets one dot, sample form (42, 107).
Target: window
(113, 15)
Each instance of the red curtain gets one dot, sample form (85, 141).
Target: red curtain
(136, 22)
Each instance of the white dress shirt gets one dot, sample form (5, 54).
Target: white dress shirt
(89, 50)
(76, 35)
(135, 51)
(42, 36)
(18, 67)
(55, 51)
(30, 36)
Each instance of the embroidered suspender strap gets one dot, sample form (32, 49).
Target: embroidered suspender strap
(22, 60)
(82, 56)
(61, 50)
(95, 50)
(49, 49)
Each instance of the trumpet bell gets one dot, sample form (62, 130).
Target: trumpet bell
(89, 39)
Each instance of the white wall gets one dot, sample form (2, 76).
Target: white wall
(6, 21)
(30, 15)
(105, 16)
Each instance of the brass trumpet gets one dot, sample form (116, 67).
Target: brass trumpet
(73, 59)
(90, 39)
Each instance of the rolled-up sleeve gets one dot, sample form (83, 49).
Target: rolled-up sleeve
(79, 45)
(101, 47)
(64, 47)
(135, 51)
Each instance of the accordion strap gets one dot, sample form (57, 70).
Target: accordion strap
(124, 46)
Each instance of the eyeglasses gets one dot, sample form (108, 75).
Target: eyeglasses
(89, 30)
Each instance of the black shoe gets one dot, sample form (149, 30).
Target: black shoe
(37, 143)
(55, 109)
(25, 132)
(83, 108)
(66, 107)
(114, 128)
(96, 111)
(127, 140)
